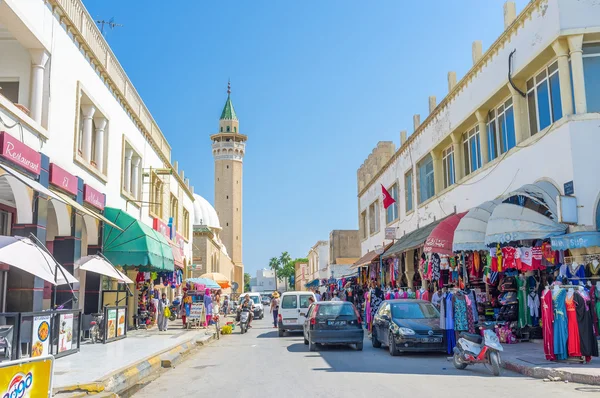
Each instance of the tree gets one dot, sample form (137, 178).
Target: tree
(247, 278)
(274, 265)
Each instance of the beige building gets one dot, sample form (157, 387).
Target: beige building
(318, 260)
(229, 148)
(301, 277)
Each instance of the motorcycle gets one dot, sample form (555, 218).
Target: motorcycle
(97, 329)
(244, 318)
(473, 348)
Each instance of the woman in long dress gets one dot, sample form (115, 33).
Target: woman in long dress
(376, 300)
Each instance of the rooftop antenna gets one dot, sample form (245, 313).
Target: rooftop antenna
(110, 23)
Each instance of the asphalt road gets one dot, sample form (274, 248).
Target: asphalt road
(260, 364)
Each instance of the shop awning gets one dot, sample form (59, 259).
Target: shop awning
(83, 210)
(209, 283)
(313, 283)
(368, 258)
(99, 265)
(36, 186)
(576, 240)
(219, 278)
(136, 245)
(411, 240)
(470, 232)
(441, 237)
(177, 257)
(541, 192)
(510, 222)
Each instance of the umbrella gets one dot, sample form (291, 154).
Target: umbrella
(441, 237)
(23, 253)
(209, 283)
(99, 265)
(219, 278)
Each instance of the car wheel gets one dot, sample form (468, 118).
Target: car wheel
(392, 346)
(281, 332)
(312, 346)
(376, 343)
(359, 346)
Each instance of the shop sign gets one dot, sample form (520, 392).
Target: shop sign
(62, 179)
(180, 243)
(121, 322)
(30, 377)
(65, 334)
(162, 227)
(111, 324)
(20, 154)
(94, 197)
(40, 342)
(390, 233)
(569, 188)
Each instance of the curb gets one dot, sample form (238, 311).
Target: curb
(125, 378)
(552, 374)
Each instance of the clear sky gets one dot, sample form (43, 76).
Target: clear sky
(315, 84)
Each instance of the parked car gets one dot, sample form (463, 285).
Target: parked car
(265, 300)
(293, 307)
(333, 322)
(259, 312)
(408, 326)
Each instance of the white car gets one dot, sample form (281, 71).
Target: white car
(293, 307)
(259, 311)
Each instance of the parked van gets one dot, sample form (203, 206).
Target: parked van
(293, 307)
(259, 312)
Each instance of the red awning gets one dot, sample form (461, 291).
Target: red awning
(178, 258)
(440, 239)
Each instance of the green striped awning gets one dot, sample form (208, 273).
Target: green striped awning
(137, 245)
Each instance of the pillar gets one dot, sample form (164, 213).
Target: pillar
(483, 136)
(459, 160)
(561, 49)
(410, 267)
(127, 170)
(39, 58)
(436, 156)
(135, 176)
(576, 51)
(100, 123)
(88, 124)
(520, 111)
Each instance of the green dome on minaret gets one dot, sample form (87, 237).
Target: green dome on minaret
(228, 111)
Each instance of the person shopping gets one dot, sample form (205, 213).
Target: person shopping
(275, 308)
(163, 319)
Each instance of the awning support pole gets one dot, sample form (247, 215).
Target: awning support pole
(115, 268)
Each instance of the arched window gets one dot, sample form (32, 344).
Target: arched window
(235, 129)
(221, 129)
(228, 129)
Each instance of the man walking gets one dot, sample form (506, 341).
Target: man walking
(317, 295)
(275, 308)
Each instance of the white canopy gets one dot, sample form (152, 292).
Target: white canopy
(510, 222)
(100, 265)
(23, 253)
(542, 192)
(470, 233)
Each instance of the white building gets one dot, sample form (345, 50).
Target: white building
(489, 136)
(264, 281)
(318, 261)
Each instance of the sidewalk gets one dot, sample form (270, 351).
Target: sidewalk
(95, 364)
(529, 359)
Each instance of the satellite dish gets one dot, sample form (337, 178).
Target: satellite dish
(234, 286)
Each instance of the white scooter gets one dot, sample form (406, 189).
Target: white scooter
(472, 348)
(244, 317)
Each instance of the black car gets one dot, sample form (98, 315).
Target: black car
(333, 322)
(408, 326)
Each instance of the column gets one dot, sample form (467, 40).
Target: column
(135, 176)
(575, 44)
(100, 123)
(39, 58)
(481, 115)
(561, 49)
(410, 267)
(88, 124)
(459, 169)
(127, 170)
(520, 112)
(436, 156)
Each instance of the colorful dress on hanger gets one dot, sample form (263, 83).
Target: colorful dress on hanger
(592, 271)
(561, 331)
(524, 317)
(575, 272)
(587, 339)
(449, 315)
(595, 304)
(574, 347)
(547, 323)
(460, 313)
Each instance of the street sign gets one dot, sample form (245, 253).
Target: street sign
(390, 233)
(234, 286)
(569, 188)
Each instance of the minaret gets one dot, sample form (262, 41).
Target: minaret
(229, 147)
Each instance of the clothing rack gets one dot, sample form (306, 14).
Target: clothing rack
(583, 258)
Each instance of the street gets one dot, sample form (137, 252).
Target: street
(262, 364)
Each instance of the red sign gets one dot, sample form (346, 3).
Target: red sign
(160, 226)
(20, 154)
(180, 241)
(63, 179)
(94, 197)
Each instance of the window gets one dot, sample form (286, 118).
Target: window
(345, 309)
(591, 70)
(228, 129)
(414, 311)
(384, 310)
(472, 150)
(132, 171)
(235, 129)
(501, 130)
(157, 196)
(363, 224)
(304, 303)
(448, 166)
(408, 187)
(289, 302)
(426, 180)
(80, 134)
(174, 206)
(91, 135)
(10, 90)
(543, 99)
(392, 210)
(186, 224)
(374, 217)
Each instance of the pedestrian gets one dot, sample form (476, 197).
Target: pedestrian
(163, 319)
(317, 295)
(183, 309)
(376, 298)
(217, 301)
(275, 308)
(335, 297)
(208, 306)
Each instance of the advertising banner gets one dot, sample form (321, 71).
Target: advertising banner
(196, 311)
(31, 377)
(121, 322)
(40, 342)
(65, 334)
(111, 323)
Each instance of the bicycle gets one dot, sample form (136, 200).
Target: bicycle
(216, 320)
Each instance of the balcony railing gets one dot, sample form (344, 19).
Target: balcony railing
(17, 123)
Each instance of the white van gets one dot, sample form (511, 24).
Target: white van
(259, 311)
(293, 307)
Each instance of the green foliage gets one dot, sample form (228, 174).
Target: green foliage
(247, 278)
(285, 267)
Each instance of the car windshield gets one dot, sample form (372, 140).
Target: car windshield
(253, 298)
(414, 311)
(335, 310)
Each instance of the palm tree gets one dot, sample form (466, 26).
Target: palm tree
(284, 260)
(274, 265)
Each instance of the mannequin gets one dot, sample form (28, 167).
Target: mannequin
(547, 323)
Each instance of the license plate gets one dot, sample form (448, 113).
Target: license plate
(336, 323)
(288, 321)
(431, 340)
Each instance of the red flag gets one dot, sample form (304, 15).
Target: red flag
(387, 198)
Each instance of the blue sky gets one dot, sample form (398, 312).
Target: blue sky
(315, 84)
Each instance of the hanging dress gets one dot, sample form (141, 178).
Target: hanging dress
(597, 309)
(560, 324)
(524, 317)
(461, 322)
(573, 345)
(547, 325)
(450, 335)
(588, 342)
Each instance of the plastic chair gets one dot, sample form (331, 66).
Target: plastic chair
(86, 325)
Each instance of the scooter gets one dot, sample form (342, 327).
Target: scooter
(174, 308)
(244, 318)
(97, 329)
(473, 348)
